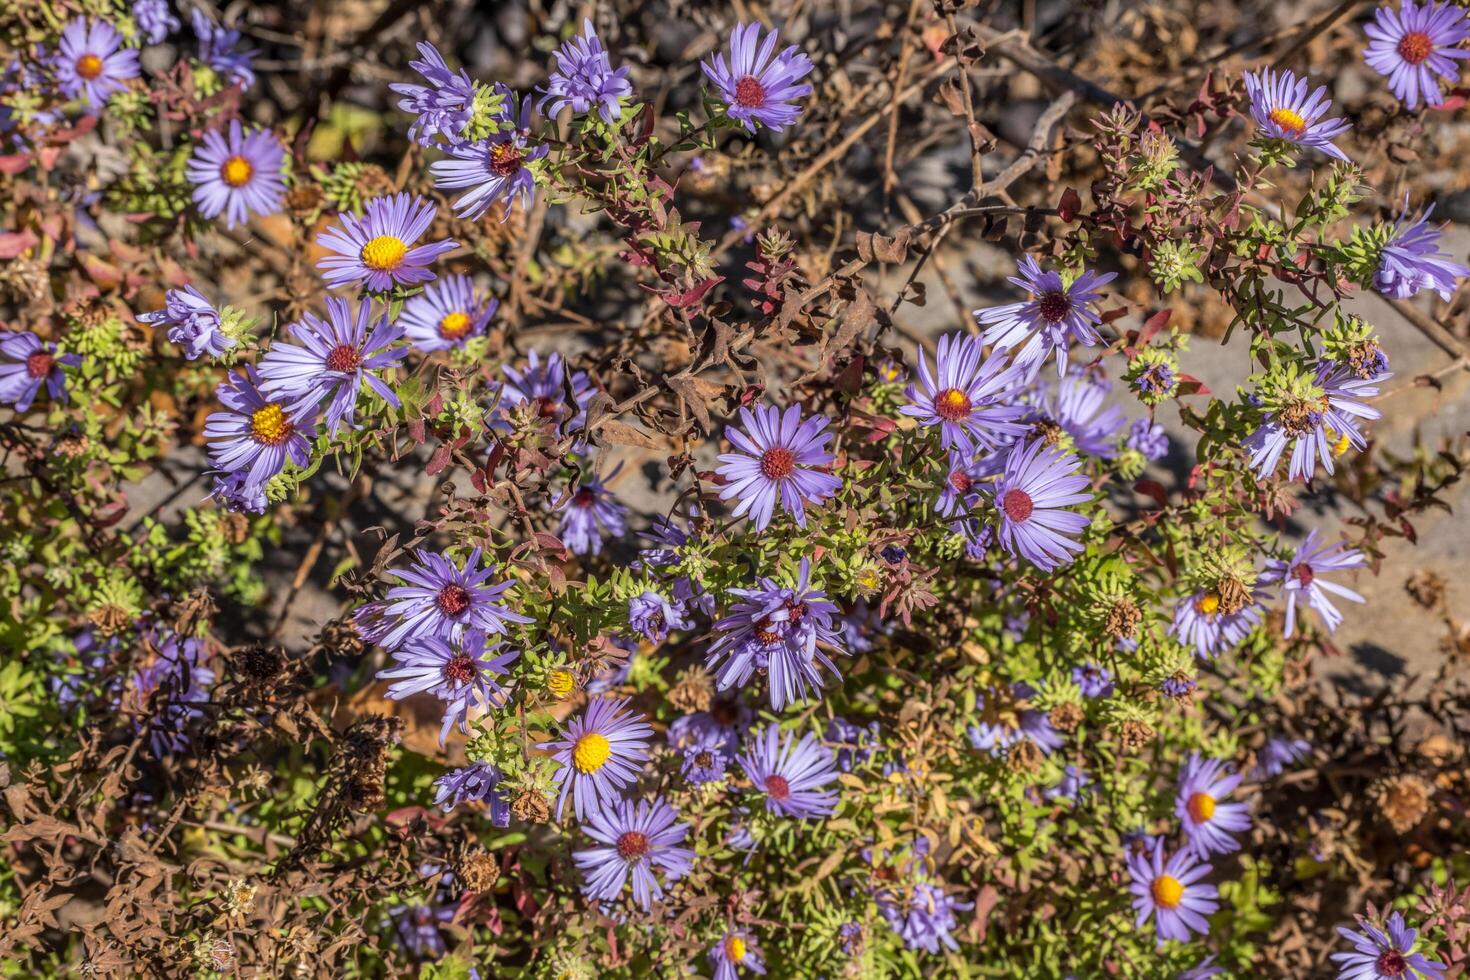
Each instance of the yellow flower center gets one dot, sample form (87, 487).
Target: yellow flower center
(89, 66)
(1341, 445)
(1201, 807)
(560, 683)
(454, 326)
(734, 949)
(1289, 120)
(384, 253)
(269, 425)
(1167, 891)
(1208, 604)
(590, 752)
(236, 171)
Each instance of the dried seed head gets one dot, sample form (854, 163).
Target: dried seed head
(1123, 618)
(693, 691)
(1065, 717)
(1404, 801)
(531, 807)
(479, 871)
(1136, 734)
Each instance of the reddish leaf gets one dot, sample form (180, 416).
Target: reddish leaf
(15, 242)
(1154, 490)
(1070, 204)
(1154, 324)
(1190, 385)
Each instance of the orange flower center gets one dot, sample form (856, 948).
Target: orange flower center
(1415, 47)
(1289, 120)
(952, 405)
(89, 66)
(777, 463)
(734, 949)
(1201, 807)
(454, 326)
(750, 93)
(1167, 892)
(1207, 604)
(269, 425)
(384, 253)
(236, 171)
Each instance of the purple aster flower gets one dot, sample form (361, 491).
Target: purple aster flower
(1095, 681)
(1205, 970)
(728, 718)
(493, 168)
(1048, 323)
(1283, 111)
(1278, 753)
(961, 492)
(217, 50)
(590, 513)
(1172, 892)
(375, 250)
(922, 914)
(856, 627)
(775, 462)
(254, 435)
(585, 78)
(1072, 787)
(237, 175)
(154, 19)
(1077, 405)
(1178, 687)
(164, 693)
(444, 107)
(962, 396)
(234, 492)
(1038, 483)
(759, 89)
(652, 615)
(1412, 259)
(1199, 623)
(91, 61)
(1385, 953)
(641, 839)
(417, 928)
(1207, 822)
(1412, 45)
(1315, 428)
(463, 673)
(337, 357)
(26, 363)
(707, 754)
(855, 743)
(777, 630)
(446, 314)
(440, 600)
(736, 948)
(600, 754)
(1300, 579)
(476, 782)
(1029, 725)
(193, 323)
(790, 774)
(1155, 382)
(544, 387)
(1148, 438)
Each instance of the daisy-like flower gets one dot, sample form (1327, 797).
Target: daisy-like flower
(463, 673)
(1077, 406)
(1024, 724)
(446, 314)
(855, 743)
(1094, 681)
(154, 19)
(961, 490)
(962, 396)
(1172, 892)
(584, 78)
(336, 358)
(1199, 623)
(1148, 438)
(217, 50)
(478, 781)
(1413, 44)
(1412, 259)
(193, 323)
(444, 107)
(601, 753)
(494, 168)
(653, 616)
(707, 753)
(591, 513)
(777, 630)
(791, 774)
(736, 948)
(164, 694)
(757, 88)
(639, 840)
(1300, 578)
(1278, 753)
(91, 61)
(1385, 953)
(543, 386)
(238, 174)
(775, 463)
(1317, 428)
(26, 363)
(922, 914)
(1031, 496)
(377, 249)
(254, 436)
(1056, 316)
(1208, 822)
(1283, 111)
(440, 599)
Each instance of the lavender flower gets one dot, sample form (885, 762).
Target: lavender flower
(1207, 822)
(1037, 484)
(456, 672)
(494, 168)
(1283, 111)
(922, 914)
(477, 782)
(590, 513)
(254, 436)
(237, 175)
(194, 323)
(1095, 681)
(154, 19)
(375, 250)
(1412, 45)
(1026, 724)
(1171, 891)
(707, 753)
(1299, 579)
(1199, 623)
(757, 89)
(1204, 970)
(446, 314)
(962, 396)
(736, 947)
(1385, 953)
(585, 78)
(855, 743)
(1072, 787)
(91, 61)
(641, 839)
(1412, 259)
(1148, 438)
(776, 460)
(1077, 405)
(417, 928)
(790, 774)
(1315, 427)
(217, 50)
(440, 600)
(164, 693)
(26, 363)
(1278, 753)
(961, 493)
(601, 753)
(544, 387)
(652, 615)
(442, 108)
(1053, 318)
